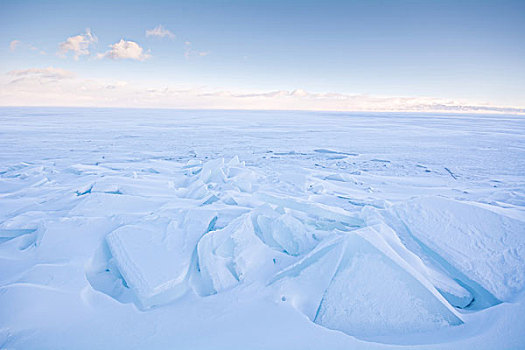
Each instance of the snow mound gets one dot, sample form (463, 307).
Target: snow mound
(360, 285)
(154, 260)
(482, 245)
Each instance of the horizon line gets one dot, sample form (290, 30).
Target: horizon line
(473, 110)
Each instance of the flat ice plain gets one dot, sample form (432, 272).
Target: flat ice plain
(165, 229)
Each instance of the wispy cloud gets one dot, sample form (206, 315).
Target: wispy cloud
(160, 32)
(125, 49)
(54, 86)
(40, 76)
(13, 45)
(189, 52)
(78, 44)
(49, 72)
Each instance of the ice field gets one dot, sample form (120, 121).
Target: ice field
(170, 229)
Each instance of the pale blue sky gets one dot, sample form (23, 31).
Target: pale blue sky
(473, 50)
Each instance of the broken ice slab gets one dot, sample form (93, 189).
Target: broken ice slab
(314, 209)
(455, 294)
(218, 174)
(341, 177)
(360, 284)
(371, 295)
(235, 254)
(303, 284)
(328, 151)
(154, 260)
(283, 231)
(213, 171)
(85, 189)
(483, 248)
(196, 190)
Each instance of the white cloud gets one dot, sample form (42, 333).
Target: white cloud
(13, 44)
(160, 31)
(78, 44)
(125, 49)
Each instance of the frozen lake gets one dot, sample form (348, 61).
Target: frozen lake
(127, 228)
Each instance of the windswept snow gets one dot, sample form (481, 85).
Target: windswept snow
(200, 229)
(486, 246)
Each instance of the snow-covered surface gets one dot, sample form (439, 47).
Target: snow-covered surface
(221, 229)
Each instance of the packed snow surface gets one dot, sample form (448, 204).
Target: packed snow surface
(159, 229)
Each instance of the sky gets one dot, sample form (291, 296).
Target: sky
(333, 55)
